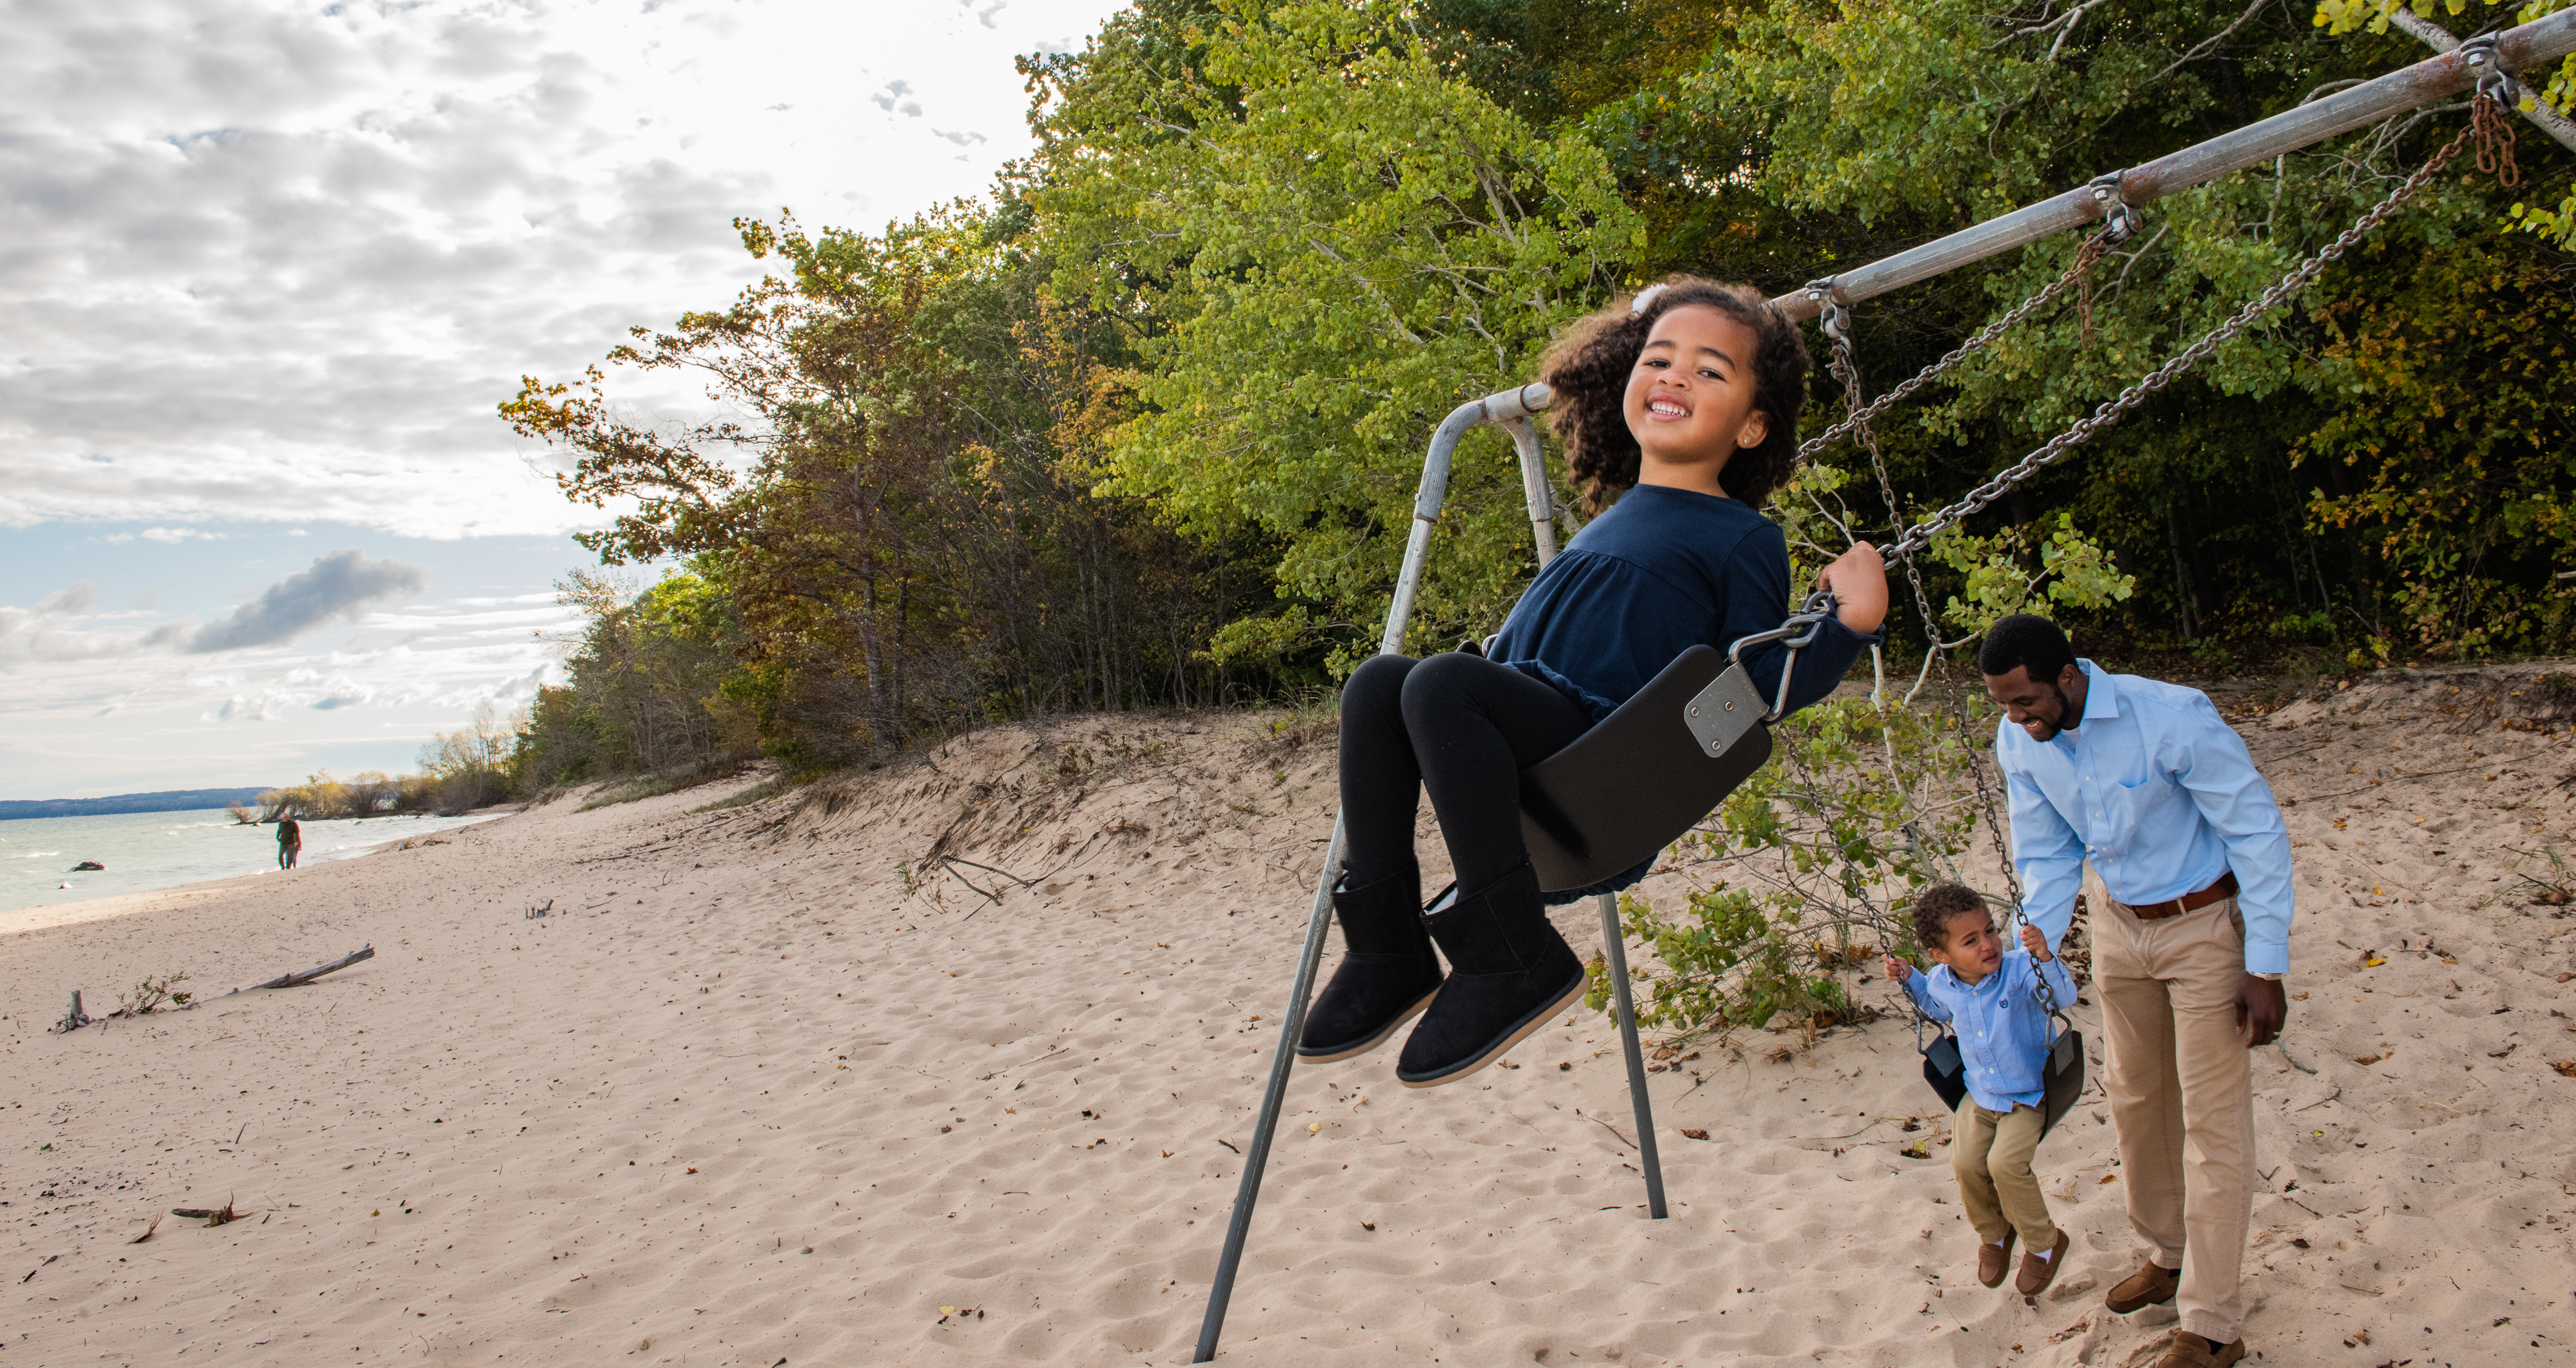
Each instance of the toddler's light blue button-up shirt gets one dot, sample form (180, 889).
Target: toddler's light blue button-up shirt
(2162, 798)
(2003, 1030)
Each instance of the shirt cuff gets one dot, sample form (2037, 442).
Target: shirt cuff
(1834, 625)
(2267, 959)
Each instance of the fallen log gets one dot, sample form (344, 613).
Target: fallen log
(74, 1019)
(317, 971)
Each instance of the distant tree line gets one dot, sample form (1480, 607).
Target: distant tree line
(474, 766)
(1142, 427)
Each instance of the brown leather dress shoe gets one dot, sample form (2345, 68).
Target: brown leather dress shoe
(2191, 1351)
(2037, 1273)
(2149, 1286)
(1993, 1259)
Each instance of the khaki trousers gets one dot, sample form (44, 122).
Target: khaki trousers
(2182, 1098)
(1990, 1152)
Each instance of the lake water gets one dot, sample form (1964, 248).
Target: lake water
(147, 850)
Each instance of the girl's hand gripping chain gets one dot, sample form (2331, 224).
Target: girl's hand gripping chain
(1898, 970)
(2035, 943)
(1858, 579)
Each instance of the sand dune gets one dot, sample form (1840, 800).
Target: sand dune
(775, 1083)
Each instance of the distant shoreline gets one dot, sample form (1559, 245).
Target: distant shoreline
(170, 800)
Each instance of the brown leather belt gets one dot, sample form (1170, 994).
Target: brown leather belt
(2188, 902)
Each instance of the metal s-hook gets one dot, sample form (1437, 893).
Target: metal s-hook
(2492, 82)
(2120, 219)
(1832, 315)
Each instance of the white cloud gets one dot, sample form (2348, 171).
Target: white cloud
(75, 599)
(267, 260)
(274, 262)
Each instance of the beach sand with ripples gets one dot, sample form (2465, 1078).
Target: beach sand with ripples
(774, 1083)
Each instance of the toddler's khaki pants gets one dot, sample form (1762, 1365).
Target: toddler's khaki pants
(1990, 1151)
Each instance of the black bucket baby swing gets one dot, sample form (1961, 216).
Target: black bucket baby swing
(1644, 776)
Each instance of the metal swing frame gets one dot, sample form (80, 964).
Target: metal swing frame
(1511, 411)
(2482, 63)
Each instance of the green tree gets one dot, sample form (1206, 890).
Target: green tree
(1322, 240)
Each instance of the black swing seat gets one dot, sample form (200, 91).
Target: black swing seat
(1645, 774)
(2061, 1078)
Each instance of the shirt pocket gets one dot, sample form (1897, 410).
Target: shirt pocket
(2144, 810)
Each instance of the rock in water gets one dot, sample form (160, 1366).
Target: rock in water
(87, 865)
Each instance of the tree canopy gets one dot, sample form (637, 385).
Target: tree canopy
(1143, 425)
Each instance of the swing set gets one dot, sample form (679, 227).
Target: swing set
(1653, 769)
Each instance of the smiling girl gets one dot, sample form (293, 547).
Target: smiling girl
(1686, 398)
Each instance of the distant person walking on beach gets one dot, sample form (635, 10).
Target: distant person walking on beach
(2143, 781)
(290, 840)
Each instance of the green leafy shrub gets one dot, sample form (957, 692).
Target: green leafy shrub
(1802, 875)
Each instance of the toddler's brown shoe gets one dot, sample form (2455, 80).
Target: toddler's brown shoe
(1993, 1259)
(2037, 1273)
(2191, 1351)
(2149, 1286)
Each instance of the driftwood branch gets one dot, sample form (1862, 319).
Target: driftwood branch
(294, 980)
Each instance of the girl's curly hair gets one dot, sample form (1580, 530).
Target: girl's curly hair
(1589, 368)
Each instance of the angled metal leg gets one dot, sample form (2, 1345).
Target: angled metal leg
(1615, 950)
(1257, 1157)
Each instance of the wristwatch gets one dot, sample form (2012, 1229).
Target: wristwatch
(2267, 978)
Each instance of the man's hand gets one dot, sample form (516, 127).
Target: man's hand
(2035, 943)
(2261, 1007)
(1898, 970)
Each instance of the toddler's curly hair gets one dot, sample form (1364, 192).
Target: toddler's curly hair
(1936, 905)
(1589, 368)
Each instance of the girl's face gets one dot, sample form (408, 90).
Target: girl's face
(1690, 400)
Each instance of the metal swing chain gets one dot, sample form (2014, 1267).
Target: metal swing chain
(1836, 321)
(2113, 409)
(2495, 155)
(2085, 256)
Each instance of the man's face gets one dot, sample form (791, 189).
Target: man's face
(2039, 707)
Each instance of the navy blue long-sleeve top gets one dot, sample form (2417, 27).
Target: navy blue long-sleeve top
(1664, 570)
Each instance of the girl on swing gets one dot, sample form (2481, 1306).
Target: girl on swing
(1686, 397)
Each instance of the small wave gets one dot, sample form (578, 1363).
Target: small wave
(33, 855)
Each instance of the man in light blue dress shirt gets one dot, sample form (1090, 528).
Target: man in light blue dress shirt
(2143, 781)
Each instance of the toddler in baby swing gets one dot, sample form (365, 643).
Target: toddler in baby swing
(1989, 997)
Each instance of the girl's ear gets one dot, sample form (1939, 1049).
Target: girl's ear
(1757, 425)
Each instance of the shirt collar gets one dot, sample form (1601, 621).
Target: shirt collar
(2101, 696)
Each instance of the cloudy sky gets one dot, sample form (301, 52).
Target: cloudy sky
(265, 269)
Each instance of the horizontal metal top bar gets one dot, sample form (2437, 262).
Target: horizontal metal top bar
(2543, 40)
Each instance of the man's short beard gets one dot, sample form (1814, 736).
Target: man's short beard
(2062, 710)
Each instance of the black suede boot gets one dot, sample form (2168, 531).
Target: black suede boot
(1509, 971)
(1387, 973)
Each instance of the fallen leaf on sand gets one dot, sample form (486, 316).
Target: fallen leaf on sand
(2108, 1178)
(1314, 1127)
(1368, 1225)
(693, 1170)
(2566, 1066)
(1693, 1133)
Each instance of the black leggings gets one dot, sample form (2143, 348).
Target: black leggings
(1462, 727)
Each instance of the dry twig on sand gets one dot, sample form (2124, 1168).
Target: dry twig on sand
(213, 1216)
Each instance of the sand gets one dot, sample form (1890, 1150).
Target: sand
(772, 1084)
